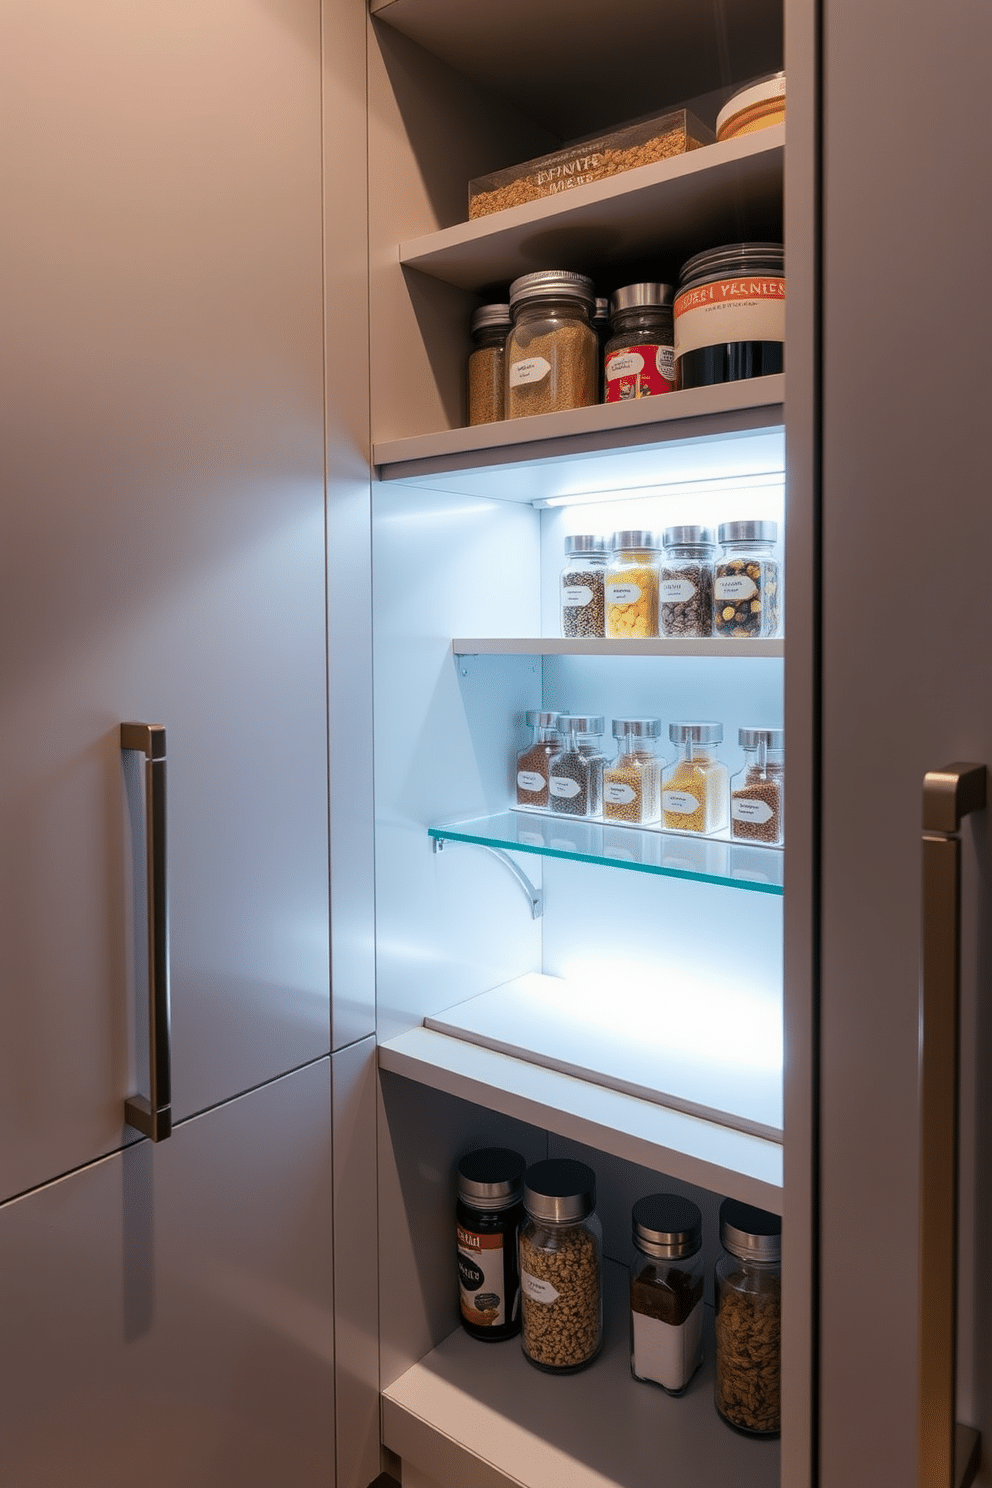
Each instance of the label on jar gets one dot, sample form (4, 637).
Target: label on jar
(481, 1278)
(747, 809)
(667, 1353)
(677, 591)
(533, 369)
(679, 803)
(576, 595)
(537, 1290)
(639, 372)
(729, 310)
(618, 793)
(562, 785)
(529, 780)
(735, 586)
(622, 594)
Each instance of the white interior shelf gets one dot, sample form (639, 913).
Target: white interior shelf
(563, 646)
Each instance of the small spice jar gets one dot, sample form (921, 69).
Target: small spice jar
(666, 1291)
(632, 783)
(533, 762)
(685, 583)
(583, 603)
(747, 582)
(632, 584)
(730, 314)
(575, 774)
(487, 1217)
(639, 358)
(552, 360)
(560, 1267)
(695, 790)
(757, 791)
(487, 364)
(749, 1319)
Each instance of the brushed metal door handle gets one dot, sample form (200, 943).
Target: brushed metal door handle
(152, 1114)
(948, 1453)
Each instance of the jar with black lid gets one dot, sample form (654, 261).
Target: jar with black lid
(488, 1215)
(639, 358)
(487, 364)
(666, 1291)
(749, 1319)
(730, 314)
(561, 1243)
(552, 353)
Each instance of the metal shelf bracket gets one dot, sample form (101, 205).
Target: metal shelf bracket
(535, 897)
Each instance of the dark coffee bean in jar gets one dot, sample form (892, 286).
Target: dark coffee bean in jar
(639, 358)
(730, 314)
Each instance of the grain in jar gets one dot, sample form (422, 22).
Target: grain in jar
(685, 583)
(583, 579)
(747, 582)
(748, 1296)
(632, 783)
(695, 793)
(757, 791)
(552, 352)
(487, 1223)
(639, 358)
(632, 585)
(533, 762)
(666, 1291)
(575, 774)
(487, 364)
(560, 1267)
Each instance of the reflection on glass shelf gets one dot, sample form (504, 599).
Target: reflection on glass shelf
(640, 849)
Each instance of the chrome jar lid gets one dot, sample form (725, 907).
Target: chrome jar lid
(553, 284)
(640, 296)
(687, 537)
(731, 260)
(698, 733)
(666, 1225)
(491, 1178)
(748, 532)
(634, 537)
(582, 723)
(540, 720)
(639, 728)
(491, 315)
(585, 542)
(750, 738)
(750, 1234)
(559, 1190)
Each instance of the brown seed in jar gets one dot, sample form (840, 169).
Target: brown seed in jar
(564, 1333)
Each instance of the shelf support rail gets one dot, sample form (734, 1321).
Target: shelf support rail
(535, 896)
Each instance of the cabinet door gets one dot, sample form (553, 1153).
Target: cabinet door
(163, 551)
(167, 1310)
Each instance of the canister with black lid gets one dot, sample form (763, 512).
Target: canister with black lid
(666, 1291)
(639, 357)
(488, 1215)
(729, 314)
(561, 1243)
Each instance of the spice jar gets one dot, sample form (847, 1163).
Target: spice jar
(685, 587)
(730, 314)
(747, 582)
(632, 784)
(487, 364)
(639, 358)
(575, 775)
(632, 585)
(756, 792)
(560, 1267)
(552, 358)
(749, 1318)
(666, 1291)
(583, 604)
(695, 790)
(487, 1216)
(534, 761)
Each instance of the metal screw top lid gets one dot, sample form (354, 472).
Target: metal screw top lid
(601, 316)
(582, 723)
(585, 542)
(666, 1225)
(640, 728)
(687, 537)
(698, 733)
(634, 537)
(559, 1190)
(491, 315)
(491, 1178)
(541, 720)
(748, 531)
(732, 260)
(748, 1233)
(638, 296)
(750, 738)
(553, 284)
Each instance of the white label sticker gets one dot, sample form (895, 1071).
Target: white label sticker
(537, 1290)
(728, 310)
(576, 595)
(676, 591)
(561, 785)
(529, 780)
(665, 362)
(622, 594)
(618, 792)
(744, 808)
(679, 803)
(625, 364)
(735, 587)
(534, 369)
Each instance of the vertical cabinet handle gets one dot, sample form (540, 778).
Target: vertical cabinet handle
(946, 1451)
(152, 1115)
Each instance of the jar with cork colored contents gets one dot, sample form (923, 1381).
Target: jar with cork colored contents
(748, 1297)
(632, 783)
(666, 1291)
(487, 1218)
(695, 791)
(685, 592)
(583, 579)
(533, 762)
(747, 582)
(757, 791)
(560, 1267)
(552, 352)
(632, 585)
(575, 775)
(639, 358)
(487, 364)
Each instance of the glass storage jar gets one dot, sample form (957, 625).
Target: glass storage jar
(552, 353)
(534, 761)
(666, 1291)
(685, 583)
(749, 1319)
(747, 591)
(632, 783)
(575, 775)
(730, 314)
(560, 1267)
(487, 1217)
(695, 790)
(639, 358)
(632, 584)
(583, 604)
(757, 791)
(487, 364)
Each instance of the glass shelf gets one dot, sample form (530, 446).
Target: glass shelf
(755, 869)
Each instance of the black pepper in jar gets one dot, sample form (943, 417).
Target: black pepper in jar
(583, 604)
(576, 774)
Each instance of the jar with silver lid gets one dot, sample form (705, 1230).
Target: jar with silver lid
(749, 1319)
(632, 783)
(632, 585)
(730, 314)
(487, 364)
(552, 359)
(488, 1216)
(685, 583)
(695, 794)
(575, 775)
(747, 585)
(534, 761)
(666, 1291)
(757, 791)
(639, 358)
(561, 1244)
(583, 605)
